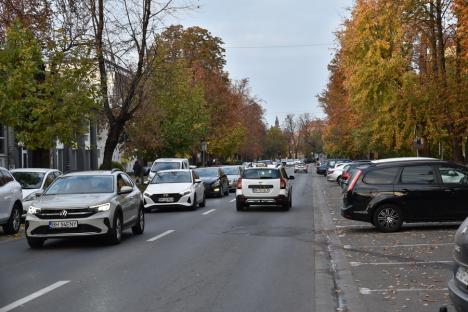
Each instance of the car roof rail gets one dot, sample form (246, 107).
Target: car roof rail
(115, 170)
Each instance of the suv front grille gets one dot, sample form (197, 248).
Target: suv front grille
(52, 214)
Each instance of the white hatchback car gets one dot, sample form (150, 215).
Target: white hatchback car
(335, 173)
(34, 181)
(264, 187)
(11, 207)
(172, 188)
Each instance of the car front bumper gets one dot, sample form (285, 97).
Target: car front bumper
(97, 224)
(184, 201)
(458, 297)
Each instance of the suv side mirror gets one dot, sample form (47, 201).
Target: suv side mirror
(39, 193)
(291, 177)
(126, 189)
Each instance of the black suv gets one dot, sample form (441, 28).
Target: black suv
(387, 193)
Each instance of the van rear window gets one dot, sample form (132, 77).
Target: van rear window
(381, 176)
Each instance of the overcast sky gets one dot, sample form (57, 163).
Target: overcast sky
(286, 78)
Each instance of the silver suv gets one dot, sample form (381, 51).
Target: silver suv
(11, 207)
(89, 203)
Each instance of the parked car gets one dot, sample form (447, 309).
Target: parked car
(349, 169)
(334, 162)
(87, 203)
(264, 187)
(167, 164)
(11, 206)
(215, 181)
(300, 167)
(34, 180)
(334, 174)
(322, 168)
(390, 192)
(458, 284)
(177, 188)
(233, 174)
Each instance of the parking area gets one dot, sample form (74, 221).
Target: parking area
(403, 271)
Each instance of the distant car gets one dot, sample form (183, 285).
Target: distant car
(349, 169)
(264, 187)
(458, 284)
(215, 181)
(34, 180)
(11, 207)
(87, 203)
(300, 167)
(334, 174)
(167, 164)
(289, 162)
(177, 188)
(322, 168)
(233, 174)
(389, 192)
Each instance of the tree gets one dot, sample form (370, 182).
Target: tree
(290, 131)
(43, 103)
(275, 144)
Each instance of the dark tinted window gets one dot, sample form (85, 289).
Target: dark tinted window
(418, 175)
(29, 180)
(381, 176)
(263, 173)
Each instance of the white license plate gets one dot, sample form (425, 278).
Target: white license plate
(462, 275)
(166, 200)
(63, 224)
(261, 190)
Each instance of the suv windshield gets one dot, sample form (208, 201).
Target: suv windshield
(29, 180)
(207, 172)
(172, 177)
(165, 166)
(265, 173)
(231, 170)
(82, 185)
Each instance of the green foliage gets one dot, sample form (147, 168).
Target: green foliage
(275, 144)
(115, 165)
(42, 101)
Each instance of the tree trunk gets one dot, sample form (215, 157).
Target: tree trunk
(115, 129)
(457, 153)
(441, 44)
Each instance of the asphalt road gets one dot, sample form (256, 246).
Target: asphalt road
(203, 260)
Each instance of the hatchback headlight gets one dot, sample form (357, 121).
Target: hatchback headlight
(33, 210)
(100, 208)
(186, 192)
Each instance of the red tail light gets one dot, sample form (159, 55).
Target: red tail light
(345, 176)
(239, 184)
(354, 181)
(282, 183)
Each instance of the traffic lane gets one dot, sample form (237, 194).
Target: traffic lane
(404, 270)
(198, 260)
(19, 265)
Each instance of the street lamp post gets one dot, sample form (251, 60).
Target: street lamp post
(203, 148)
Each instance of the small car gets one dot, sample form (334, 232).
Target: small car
(175, 188)
(88, 203)
(11, 207)
(300, 167)
(233, 174)
(215, 181)
(264, 187)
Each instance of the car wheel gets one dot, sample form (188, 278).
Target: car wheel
(14, 222)
(388, 218)
(239, 206)
(203, 203)
(287, 205)
(194, 204)
(115, 233)
(139, 227)
(35, 242)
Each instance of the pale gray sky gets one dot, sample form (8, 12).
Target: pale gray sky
(287, 79)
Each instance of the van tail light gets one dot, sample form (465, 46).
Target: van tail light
(354, 181)
(239, 184)
(282, 183)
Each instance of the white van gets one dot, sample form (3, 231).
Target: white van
(167, 164)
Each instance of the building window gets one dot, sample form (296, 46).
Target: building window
(2, 139)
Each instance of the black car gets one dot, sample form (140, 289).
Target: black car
(387, 194)
(458, 285)
(215, 181)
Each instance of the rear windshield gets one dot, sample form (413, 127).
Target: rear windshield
(231, 170)
(82, 184)
(207, 172)
(165, 166)
(29, 180)
(381, 176)
(263, 173)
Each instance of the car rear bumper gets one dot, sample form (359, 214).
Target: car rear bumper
(458, 297)
(262, 201)
(348, 212)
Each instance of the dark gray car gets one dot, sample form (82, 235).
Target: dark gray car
(90, 203)
(458, 285)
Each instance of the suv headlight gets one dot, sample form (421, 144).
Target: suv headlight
(186, 192)
(100, 208)
(33, 210)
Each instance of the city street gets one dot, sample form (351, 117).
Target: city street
(218, 259)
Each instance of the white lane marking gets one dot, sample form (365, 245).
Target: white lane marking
(33, 296)
(367, 291)
(208, 212)
(159, 236)
(396, 246)
(232, 200)
(356, 264)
